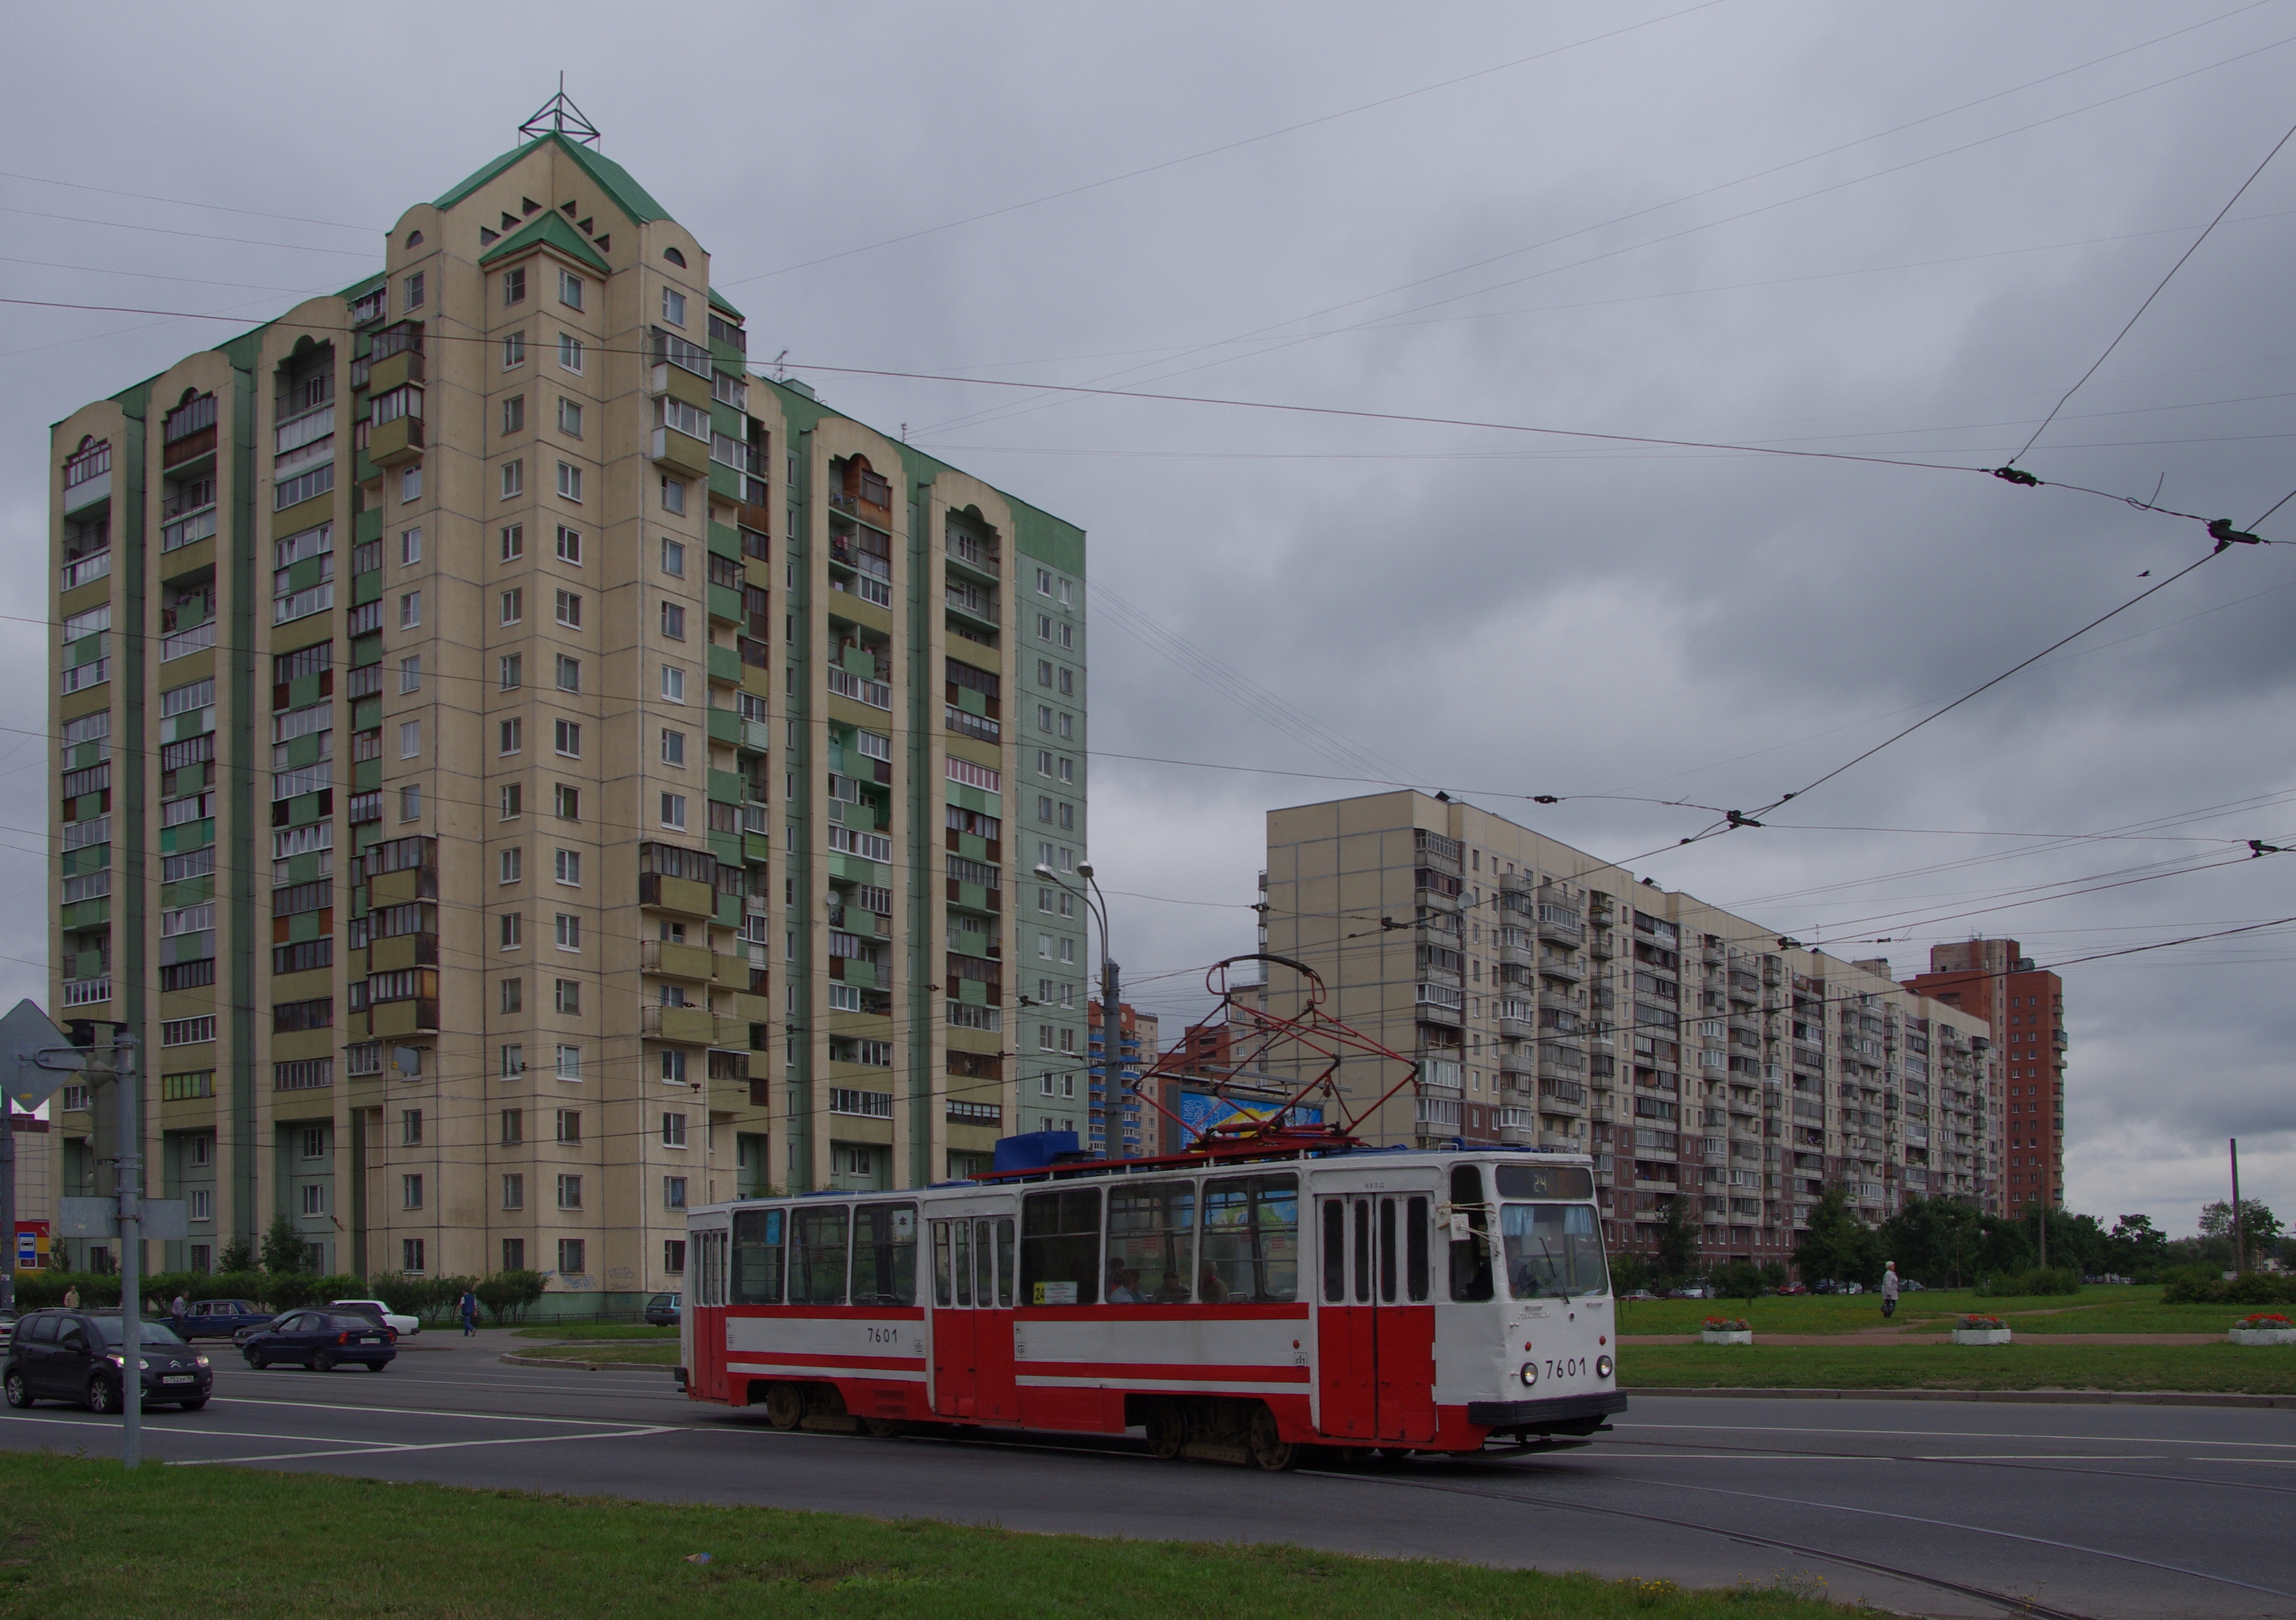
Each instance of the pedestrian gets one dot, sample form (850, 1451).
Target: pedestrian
(178, 1308)
(71, 1298)
(1889, 1289)
(469, 1306)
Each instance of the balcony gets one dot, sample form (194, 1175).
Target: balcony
(970, 552)
(673, 960)
(395, 442)
(189, 529)
(182, 642)
(844, 684)
(1563, 967)
(683, 897)
(1517, 1025)
(97, 564)
(1518, 1065)
(87, 992)
(687, 1026)
(1439, 1004)
(964, 597)
(1560, 1061)
(1560, 925)
(1518, 955)
(681, 453)
(1600, 946)
(1568, 1096)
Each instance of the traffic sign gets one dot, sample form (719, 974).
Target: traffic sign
(27, 1034)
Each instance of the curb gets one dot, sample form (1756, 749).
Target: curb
(2038, 1397)
(513, 1359)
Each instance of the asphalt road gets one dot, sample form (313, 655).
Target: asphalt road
(1922, 1508)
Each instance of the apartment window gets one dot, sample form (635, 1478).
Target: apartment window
(513, 1249)
(1068, 818)
(514, 542)
(410, 1256)
(570, 1192)
(568, 995)
(1044, 901)
(570, 545)
(410, 547)
(569, 1067)
(673, 499)
(511, 863)
(514, 413)
(314, 1199)
(673, 747)
(514, 995)
(513, 286)
(570, 802)
(1043, 671)
(570, 290)
(513, 930)
(673, 1192)
(1044, 582)
(673, 683)
(673, 1066)
(410, 673)
(512, 605)
(513, 485)
(410, 611)
(672, 1255)
(570, 417)
(673, 621)
(513, 350)
(569, 353)
(1045, 808)
(1068, 637)
(570, 481)
(570, 931)
(569, 738)
(571, 1250)
(673, 307)
(1068, 727)
(410, 803)
(673, 1130)
(1068, 769)
(513, 1064)
(410, 486)
(513, 801)
(410, 739)
(1045, 718)
(569, 614)
(673, 810)
(413, 295)
(410, 1192)
(514, 1191)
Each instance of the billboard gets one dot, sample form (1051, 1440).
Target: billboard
(1200, 1111)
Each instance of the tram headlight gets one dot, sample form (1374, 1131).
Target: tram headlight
(1602, 1366)
(1529, 1373)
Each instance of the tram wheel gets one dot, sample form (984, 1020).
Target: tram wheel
(1168, 1429)
(784, 1405)
(880, 1428)
(1269, 1451)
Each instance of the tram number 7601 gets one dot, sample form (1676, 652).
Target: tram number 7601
(884, 1336)
(1572, 1367)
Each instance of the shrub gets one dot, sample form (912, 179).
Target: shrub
(2019, 1285)
(2197, 1285)
(284, 1248)
(508, 1295)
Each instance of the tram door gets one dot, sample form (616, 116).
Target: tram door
(1376, 1337)
(972, 1262)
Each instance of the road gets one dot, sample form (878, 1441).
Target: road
(1922, 1508)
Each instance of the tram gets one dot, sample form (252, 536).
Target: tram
(1237, 1304)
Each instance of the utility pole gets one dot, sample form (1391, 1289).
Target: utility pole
(2043, 1213)
(2239, 1244)
(128, 1098)
(1112, 1068)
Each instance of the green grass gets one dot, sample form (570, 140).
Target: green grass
(213, 1541)
(566, 1332)
(621, 1354)
(2116, 1309)
(2221, 1368)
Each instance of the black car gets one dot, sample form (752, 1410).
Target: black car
(220, 1318)
(662, 1311)
(321, 1338)
(75, 1355)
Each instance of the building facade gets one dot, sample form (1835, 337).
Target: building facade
(2024, 1007)
(521, 774)
(1550, 999)
(1131, 1127)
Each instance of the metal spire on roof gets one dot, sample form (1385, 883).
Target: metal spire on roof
(558, 116)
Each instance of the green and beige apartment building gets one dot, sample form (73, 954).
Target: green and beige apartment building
(1551, 999)
(520, 773)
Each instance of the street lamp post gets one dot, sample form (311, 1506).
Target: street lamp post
(1111, 1057)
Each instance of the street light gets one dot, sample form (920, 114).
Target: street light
(1111, 1060)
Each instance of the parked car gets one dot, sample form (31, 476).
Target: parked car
(323, 1338)
(7, 1327)
(1639, 1294)
(221, 1318)
(1794, 1288)
(1694, 1291)
(402, 1325)
(663, 1309)
(75, 1355)
(1910, 1286)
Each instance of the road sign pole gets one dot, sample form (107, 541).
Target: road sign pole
(8, 1201)
(129, 1098)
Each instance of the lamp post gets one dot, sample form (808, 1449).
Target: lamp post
(1111, 1057)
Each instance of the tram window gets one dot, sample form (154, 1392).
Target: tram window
(757, 1256)
(885, 1255)
(1005, 1261)
(1363, 1251)
(1251, 1239)
(1414, 1250)
(943, 1279)
(1152, 1243)
(1544, 1182)
(816, 1261)
(1470, 1256)
(1060, 1247)
(1335, 1251)
(964, 1230)
(1552, 1249)
(982, 1274)
(1387, 1251)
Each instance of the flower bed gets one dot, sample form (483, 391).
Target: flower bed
(1977, 1328)
(2264, 1327)
(1726, 1331)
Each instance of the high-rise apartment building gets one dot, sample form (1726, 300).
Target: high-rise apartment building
(1130, 1126)
(2024, 1007)
(522, 774)
(1550, 999)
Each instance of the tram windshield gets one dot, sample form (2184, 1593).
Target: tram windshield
(1552, 1249)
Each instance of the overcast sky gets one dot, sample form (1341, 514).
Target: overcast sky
(1898, 232)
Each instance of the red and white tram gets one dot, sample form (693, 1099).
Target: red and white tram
(1237, 1306)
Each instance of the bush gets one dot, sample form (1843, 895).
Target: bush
(508, 1295)
(2198, 1285)
(2020, 1285)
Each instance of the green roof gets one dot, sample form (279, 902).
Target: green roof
(356, 290)
(549, 228)
(720, 299)
(612, 178)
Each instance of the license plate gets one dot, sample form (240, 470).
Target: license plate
(180, 1378)
(372, 1339)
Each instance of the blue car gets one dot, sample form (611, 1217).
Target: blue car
(220, 1318)
(321, 1338)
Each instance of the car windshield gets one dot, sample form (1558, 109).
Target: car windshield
(155, 1332)
(1552, 1249)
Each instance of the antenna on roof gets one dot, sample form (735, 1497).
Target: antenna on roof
(558, 116)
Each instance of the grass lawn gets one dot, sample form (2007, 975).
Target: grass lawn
(213, 1541)
(626, 1355)
(2117, 1309)
(567, 1333)
(2219, 1368)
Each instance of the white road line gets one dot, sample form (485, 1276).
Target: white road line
(199, 1430)
(419, 1411)
(437, 1445)
(1958, 1433)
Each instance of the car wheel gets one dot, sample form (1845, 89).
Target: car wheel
(322, 1361)
(102, 1397)
(257, 1359)
(193, 1405)
(376, 1366)
(20, 1393)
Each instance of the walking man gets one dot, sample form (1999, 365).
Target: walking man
(469, 1306)
(1890, 1290)
(177, 1309)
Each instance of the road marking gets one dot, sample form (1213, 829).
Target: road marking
(1960, 1434)
(197, 1431)
(368, 1449)
(419, 1412)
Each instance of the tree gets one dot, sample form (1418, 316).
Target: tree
(1677, 1239)
(1740, 1279)
(284, 1248)
(1933, 1240)
(2259, 1228)
(1838, 1247)
(2135, 1244)
(237, 1255)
